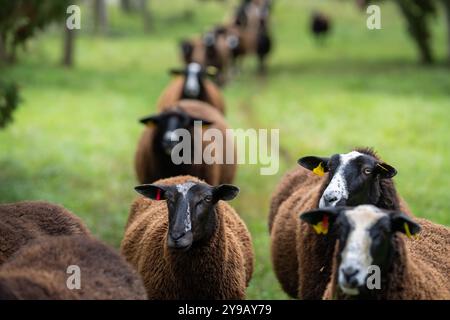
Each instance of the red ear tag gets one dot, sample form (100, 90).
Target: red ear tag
(325, 222)
(158, 194)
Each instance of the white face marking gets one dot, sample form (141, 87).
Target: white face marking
(192, 88)
(183, 189)
(337, 188)
(356, 254)
(232, 42)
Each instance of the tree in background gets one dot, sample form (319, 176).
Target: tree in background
(100, 16)
(446, 4)
(418, 14)
(141, 7)
(21, 19)
(9, 99)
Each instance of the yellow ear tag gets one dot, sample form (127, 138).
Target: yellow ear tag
(322, 226)
(408, 233)
(319, 170)
(212, 71)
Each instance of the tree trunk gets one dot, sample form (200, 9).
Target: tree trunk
(126, 6)
(446, 4)
(68, 48)
(3, 53)
(146, 16)
(100, 16)
(418, 29)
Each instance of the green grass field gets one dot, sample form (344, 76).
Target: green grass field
(75, 133)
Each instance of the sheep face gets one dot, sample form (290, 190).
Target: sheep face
(191, 210)
(365, 239)
(194, 73)
(166, 125)
(353, 179)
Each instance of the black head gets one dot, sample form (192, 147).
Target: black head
(194, 74)
(191, 207)
(353, 179)
(365, 236)
(187, 50)
(170, 127)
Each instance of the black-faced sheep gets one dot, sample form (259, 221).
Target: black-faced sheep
(187, 242)
(44, 268)
(25, 221)
(211, 50)
(252, 20)
(374, 260)
(302, 259)
(191, 83)
(159, 141)
(320, 25)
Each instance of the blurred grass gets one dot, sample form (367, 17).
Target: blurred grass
(74, 137)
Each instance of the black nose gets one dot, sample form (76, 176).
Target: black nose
(330, 198)
(177, 235)
(349, 274)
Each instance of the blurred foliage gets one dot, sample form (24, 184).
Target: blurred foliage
(9, 99)
(20, 19)
(417, 14)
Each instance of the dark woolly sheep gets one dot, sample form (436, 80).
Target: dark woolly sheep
(252, 20)
(320, 25)
(191, 83)
(153, 159)
(187, 242)
(211, 50)
(25, 221)
(302, 259)
(409, 269)
(41, 271)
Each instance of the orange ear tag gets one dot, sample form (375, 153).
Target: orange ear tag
(319, 170)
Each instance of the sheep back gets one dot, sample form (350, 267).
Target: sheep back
(173, 92)
(24, 221)
(39, 271)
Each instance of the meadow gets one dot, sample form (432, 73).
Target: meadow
(75, 132)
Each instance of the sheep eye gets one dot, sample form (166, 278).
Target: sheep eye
(208, 199)
(367, 171)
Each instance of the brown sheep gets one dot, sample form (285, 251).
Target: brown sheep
(25, 221)
(301, 259)
(192, 246)
(191, 84)
(211, 50)
(408, 269)
(252, 19)
(41, 271)
(153, 159)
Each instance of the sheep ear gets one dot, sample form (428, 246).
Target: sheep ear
(211, 71)
(150, 120)
(321, 219)
(400, 222)
(152, 191)
(176, 72)
(317, 165)
(225, 192)
(385, 171)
